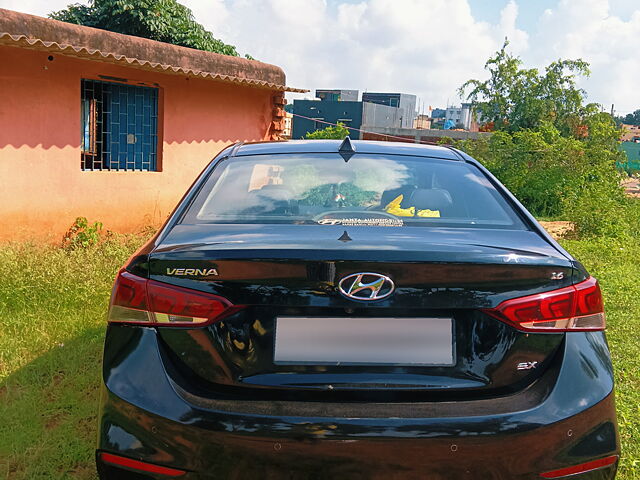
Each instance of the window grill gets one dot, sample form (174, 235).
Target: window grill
(119, 126)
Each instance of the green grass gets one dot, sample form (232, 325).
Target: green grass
(616, 265)
(52, 308)
(52, 320)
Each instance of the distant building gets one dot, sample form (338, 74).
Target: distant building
(631, 133)
(460, 116)
(438, 113)
(337, 95)
(376, 115)
(312, 115)
(404, 101)
(422, 122)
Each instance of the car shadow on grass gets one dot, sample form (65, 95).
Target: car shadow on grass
(48, 410)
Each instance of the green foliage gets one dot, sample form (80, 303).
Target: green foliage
(339, 132)
(53, 305)
(162, 20)
(556, 154)
(514, 98)
(630, 118)
(82, 234)
(562, 177)
(340, 196)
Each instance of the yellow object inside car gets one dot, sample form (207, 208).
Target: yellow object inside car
(394, 208)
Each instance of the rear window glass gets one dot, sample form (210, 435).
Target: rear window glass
(368, 190)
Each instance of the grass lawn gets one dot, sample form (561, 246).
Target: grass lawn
(52, 317)
(52, 310)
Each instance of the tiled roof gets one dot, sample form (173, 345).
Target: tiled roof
(37, 33)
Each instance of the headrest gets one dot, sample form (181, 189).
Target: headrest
(431, 198)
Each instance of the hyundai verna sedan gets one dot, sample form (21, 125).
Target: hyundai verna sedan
(318, 309)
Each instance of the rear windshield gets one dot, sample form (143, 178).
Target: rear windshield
(368, 190)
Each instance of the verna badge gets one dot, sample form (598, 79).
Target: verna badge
(192, 272)
(366, 286)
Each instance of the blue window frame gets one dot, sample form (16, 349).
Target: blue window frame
(119, 126)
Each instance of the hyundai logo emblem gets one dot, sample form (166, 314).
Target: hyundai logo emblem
(366, 286)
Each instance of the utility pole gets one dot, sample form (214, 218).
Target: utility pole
(612, 109)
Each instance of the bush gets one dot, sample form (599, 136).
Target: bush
(597, 214)
(82, 234)
(562, 177)
(338, 132)
(554, 151)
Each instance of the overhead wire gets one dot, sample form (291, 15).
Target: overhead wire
(405, 139)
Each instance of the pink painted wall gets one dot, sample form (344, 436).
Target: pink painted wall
(43, 190)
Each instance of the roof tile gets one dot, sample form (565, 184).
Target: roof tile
(29, 31)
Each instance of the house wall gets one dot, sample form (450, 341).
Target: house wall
(43, 188)
(377, 115)
(349, 113)
(404, 101)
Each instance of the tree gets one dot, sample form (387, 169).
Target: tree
(162, 20)
(630, 118)
(514, 98)
(338, 132)
(557, 154)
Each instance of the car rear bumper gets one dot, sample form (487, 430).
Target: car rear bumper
(146, 415)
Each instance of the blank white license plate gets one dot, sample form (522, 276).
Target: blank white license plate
(361, 341)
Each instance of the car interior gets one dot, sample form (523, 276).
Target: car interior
(277, 191)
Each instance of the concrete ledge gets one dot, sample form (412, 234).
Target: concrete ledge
(418, 135)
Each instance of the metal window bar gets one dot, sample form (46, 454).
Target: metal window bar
(119, 126)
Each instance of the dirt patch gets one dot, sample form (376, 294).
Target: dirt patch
(57, 378)
(53, 421)
(11, 392)
(559, 229)
(631, 187)
(12, 470)
(86, 427)
(84, 471)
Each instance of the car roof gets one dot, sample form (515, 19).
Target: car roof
(360, 146)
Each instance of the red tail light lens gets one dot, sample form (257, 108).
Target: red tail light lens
(582, 468)
(141, 301)
(575, 308)
(140, 466)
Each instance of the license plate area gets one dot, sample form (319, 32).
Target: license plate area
(364, 341)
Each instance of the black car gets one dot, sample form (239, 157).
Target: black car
(327, 309)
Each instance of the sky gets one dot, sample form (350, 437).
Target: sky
(424, 47)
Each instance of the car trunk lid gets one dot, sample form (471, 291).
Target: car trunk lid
(283, 274)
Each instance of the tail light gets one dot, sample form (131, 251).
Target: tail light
(140, 301)
(582, 468)
(575, 308)
(132, 464)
